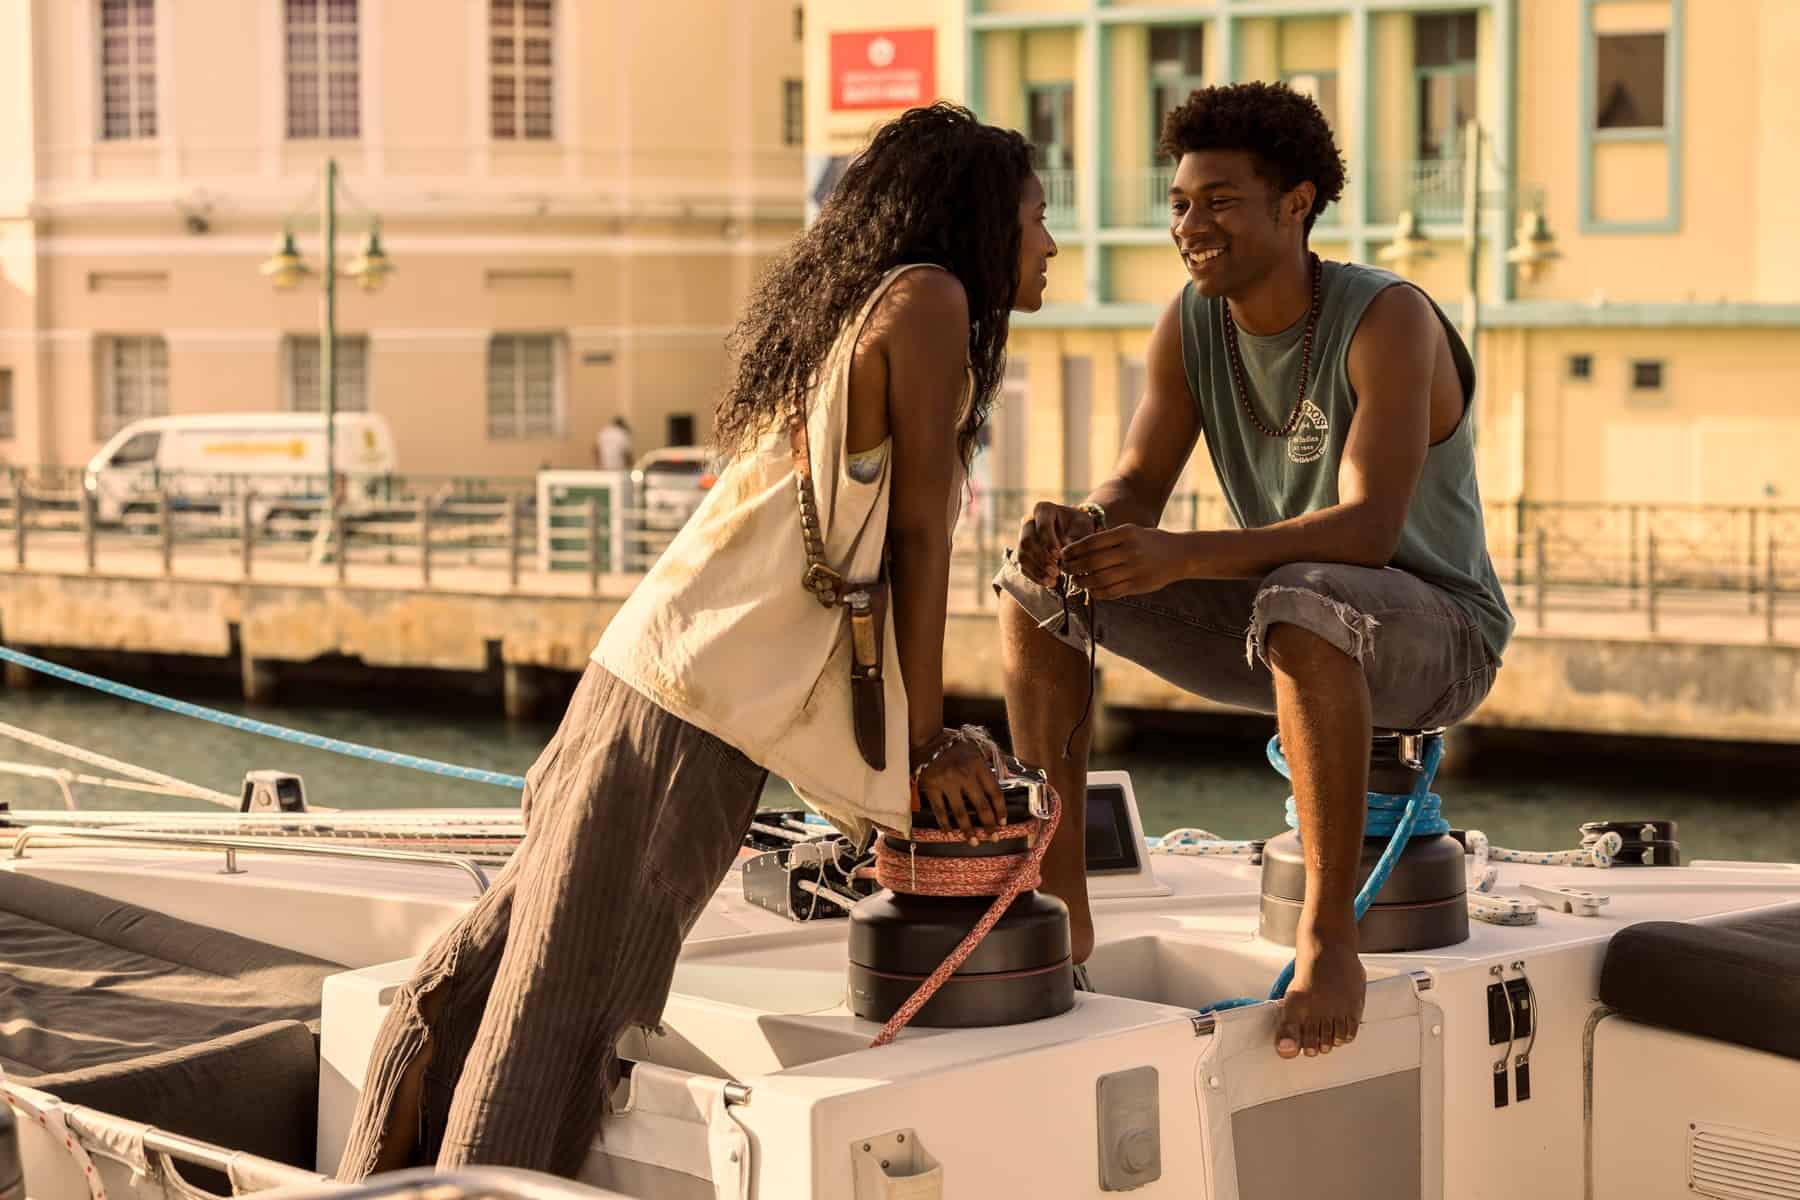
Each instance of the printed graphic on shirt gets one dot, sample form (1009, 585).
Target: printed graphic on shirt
(1307, 443)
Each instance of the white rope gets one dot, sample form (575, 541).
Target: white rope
(1594, 851)
(192, 791)
(1200, 843)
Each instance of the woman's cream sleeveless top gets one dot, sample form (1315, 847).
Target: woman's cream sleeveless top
(721, 633)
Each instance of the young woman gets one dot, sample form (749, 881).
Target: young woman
(882, 335)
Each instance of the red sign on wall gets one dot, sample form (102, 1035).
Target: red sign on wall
(890, 68)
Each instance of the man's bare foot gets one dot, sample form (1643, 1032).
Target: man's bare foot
(1324, 1004)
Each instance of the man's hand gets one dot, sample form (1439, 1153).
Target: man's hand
(1047, 532)
(1126, 560)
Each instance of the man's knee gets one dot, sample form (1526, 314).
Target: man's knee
(1299, 609)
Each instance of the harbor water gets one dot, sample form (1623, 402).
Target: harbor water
(1524, 790)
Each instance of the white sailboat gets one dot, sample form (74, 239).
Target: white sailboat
(1638, 1037)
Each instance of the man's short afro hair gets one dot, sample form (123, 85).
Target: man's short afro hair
(1284, 131)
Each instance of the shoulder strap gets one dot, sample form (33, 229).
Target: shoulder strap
(825, 584)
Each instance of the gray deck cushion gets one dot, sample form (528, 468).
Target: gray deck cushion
(1737, 980)
(132, 1012)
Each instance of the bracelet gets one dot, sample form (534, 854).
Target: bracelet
(939, 743)
(933, 749)
(1095, 511)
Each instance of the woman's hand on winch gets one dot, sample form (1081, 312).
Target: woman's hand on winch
(954, 776)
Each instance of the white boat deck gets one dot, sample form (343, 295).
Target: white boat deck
(759, 1001)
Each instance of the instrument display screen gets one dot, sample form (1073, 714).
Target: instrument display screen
(1110, 846)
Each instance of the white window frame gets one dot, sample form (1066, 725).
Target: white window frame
(150, 355)
(556, 344)
(305, 398)
(138, 75)
(519, 72)
(319, 64)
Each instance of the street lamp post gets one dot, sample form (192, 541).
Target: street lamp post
(328, 336)
(370, 269)
(1533, 253)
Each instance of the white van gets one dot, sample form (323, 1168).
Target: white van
(210, 461)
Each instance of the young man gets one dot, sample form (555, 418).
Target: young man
(1357, 592)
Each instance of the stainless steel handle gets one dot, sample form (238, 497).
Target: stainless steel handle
(231, 845)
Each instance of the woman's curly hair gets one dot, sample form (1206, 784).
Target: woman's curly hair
(934, 186)
(1283, 131)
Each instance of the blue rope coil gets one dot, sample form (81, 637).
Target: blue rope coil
(297, 737)
(1401, 817)
(1385, 808)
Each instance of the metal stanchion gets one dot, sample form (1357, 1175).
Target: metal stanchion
(512, 543)
(1542, 572)
(425, 542)
(165, 521)
(247, 533)
(89, 549)
(1770, 588)
(19, 502)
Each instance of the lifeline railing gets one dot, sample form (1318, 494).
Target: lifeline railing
(232, 845)
(480, 1183)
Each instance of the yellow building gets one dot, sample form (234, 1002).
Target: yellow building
(575, 194)
(1660, 139)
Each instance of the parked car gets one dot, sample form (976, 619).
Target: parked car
(666, 487)
(211, 461)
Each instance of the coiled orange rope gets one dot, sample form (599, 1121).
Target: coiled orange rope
(1003, 876)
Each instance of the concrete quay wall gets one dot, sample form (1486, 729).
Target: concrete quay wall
(1578, 681)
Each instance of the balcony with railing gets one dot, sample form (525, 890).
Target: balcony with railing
(1140, 200)
(1432, 189)
(1059, 195)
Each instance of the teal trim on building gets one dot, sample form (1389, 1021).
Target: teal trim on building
(1128, 14)
(1362, 180)
(1669, 135)
(984, 22)
(1089, 316)
(1571, 314)
(1141, 236)
(1228, 45)
(1519, 314)
(1093, 51)
(974, 77)
(1506, 139)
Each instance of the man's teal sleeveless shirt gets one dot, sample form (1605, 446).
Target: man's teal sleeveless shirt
(1267, 479)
